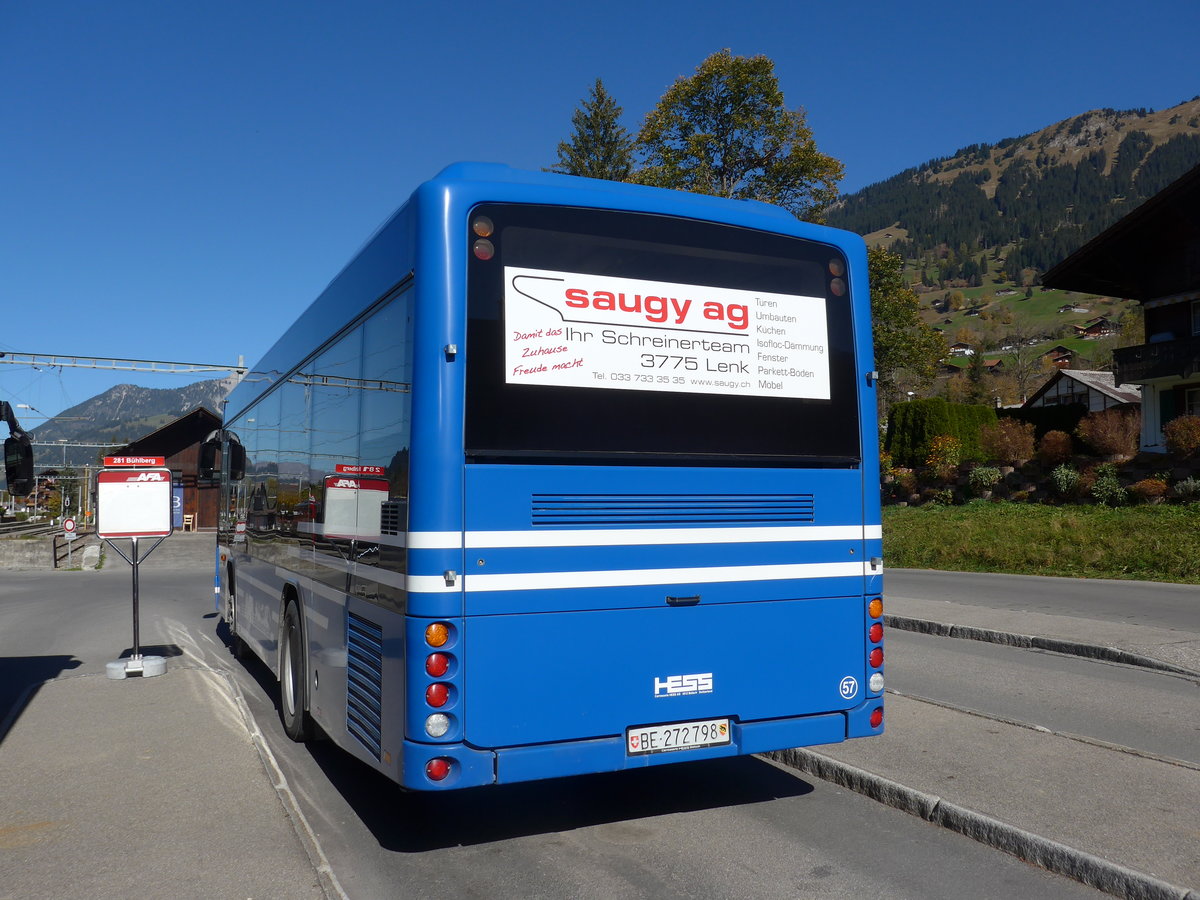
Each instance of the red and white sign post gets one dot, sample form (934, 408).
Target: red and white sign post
(133, 499)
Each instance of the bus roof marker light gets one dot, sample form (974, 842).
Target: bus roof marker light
(483, 227)
(837, 268)
(484, 249)
(837, 287)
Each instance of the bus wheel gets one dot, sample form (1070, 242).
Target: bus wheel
(296, 723)
(236, 645)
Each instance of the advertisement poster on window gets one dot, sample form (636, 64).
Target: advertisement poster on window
(570, 329)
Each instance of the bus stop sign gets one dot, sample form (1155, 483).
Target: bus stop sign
(133, 503)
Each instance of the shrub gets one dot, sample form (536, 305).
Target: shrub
(886, 464)
(1106, 488)
(983, 478)
(1065, 480)
(905, 484)
(940, 496)
(1149, 489)
(1111, 432)
(1183, 435)
(1008, 441)
(945, 454)
(1187, 489)
(913, 425)
(1055, 448)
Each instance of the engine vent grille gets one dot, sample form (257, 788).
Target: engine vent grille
(650, 510)
(364, 681)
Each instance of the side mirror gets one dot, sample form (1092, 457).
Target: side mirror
(208, 458)
(18, 464)
(237, 461)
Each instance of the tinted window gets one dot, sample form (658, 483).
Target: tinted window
(604, 336)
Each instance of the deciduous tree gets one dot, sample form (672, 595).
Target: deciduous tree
(726, 131)
(907, 351)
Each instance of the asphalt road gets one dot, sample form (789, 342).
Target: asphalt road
(1137, 602)
(1144, 710)
(728, 828)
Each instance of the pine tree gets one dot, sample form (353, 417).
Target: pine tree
(599, 147)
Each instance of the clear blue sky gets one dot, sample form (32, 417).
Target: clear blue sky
(179, 180)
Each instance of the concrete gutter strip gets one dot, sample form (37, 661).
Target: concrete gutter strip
(1035, 642)
(1050, 855)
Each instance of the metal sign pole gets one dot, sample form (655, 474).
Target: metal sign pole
(135, 502)
(137, 645)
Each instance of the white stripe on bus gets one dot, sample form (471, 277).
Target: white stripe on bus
(499, 540)
(529, 581)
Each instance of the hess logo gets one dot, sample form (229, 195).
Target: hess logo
(680, 685)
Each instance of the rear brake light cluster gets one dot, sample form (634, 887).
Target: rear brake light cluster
(875, 655)
(441, 693)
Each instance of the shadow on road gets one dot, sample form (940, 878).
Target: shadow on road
(20, 678)
(417, 821)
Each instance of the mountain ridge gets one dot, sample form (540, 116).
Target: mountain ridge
(1035, 198)
(122, 414)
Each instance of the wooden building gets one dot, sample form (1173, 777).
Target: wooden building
(179, 442)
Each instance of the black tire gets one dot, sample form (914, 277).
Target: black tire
(293, 698)
(237, 646)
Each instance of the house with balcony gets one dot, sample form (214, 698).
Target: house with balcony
(1152, 255)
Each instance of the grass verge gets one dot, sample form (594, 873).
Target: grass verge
(1147, 543)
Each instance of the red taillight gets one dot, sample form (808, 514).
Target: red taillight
(438, 769)
(437, 664)
(877, 717)
(876, 658)
(876, 633)
(437, 694)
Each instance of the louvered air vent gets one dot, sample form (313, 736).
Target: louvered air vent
(655, 510)
(364, 675)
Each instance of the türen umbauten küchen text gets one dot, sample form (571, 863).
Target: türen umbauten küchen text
(580, 330)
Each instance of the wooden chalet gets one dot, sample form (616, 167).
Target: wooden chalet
(180, 443)
(1094, 390)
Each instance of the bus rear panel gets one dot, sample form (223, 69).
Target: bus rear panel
(565, 476)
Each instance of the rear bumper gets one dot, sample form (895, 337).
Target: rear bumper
(471, 767)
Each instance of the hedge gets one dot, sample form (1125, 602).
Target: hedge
(913, 425)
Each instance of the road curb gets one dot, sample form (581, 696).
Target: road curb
(330, 885)
(1083, 867)
(1035, 642)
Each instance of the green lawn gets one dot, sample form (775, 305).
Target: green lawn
(1148, 543)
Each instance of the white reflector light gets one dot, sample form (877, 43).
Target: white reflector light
(439, 723)
(876, 682)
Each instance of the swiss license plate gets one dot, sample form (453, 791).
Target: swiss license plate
(679, 736)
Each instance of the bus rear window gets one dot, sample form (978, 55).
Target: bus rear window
(600, 336)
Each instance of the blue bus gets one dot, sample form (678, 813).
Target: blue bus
(563, 476)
